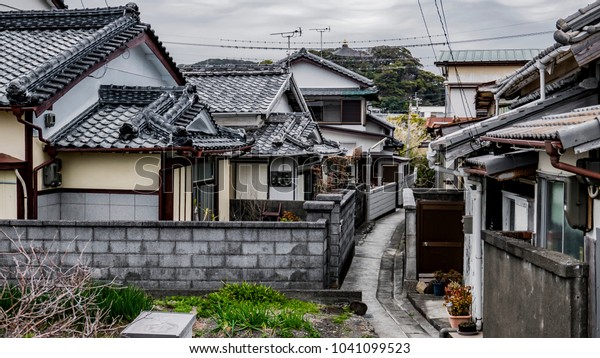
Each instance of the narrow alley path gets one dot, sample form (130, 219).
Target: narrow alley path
(374, 271)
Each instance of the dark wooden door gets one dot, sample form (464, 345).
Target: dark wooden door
(440, 235)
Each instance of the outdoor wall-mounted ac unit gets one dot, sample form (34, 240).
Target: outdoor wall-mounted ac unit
(49, 120)
(52, 174)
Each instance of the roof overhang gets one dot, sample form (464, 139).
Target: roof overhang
(504, 167)
(8, 162)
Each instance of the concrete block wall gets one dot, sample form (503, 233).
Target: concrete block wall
(410, 234)
(182, 256)
(97, 206)
(338, 210)
(382, 200)
(531, 292)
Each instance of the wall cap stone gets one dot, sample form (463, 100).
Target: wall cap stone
(558, 263)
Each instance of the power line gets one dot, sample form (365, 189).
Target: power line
(444, 24)
(327, 42)
(427, 28)
(402, 46)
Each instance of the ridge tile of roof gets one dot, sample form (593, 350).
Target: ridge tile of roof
(146, 118)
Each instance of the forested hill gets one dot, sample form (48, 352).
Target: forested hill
(397, 74)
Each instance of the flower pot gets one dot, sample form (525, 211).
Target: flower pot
(438, 289)
(456, 320)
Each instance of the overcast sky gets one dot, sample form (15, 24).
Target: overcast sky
(250, 23)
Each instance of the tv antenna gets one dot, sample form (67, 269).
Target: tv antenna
(321, 30)
(289, 35)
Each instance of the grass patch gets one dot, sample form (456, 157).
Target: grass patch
(123, 303)
(342, 317)
(240, 307)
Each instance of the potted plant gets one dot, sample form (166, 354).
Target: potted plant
(458, 302)
(439, 281)
(467, 328)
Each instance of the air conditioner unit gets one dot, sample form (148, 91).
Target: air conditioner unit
(52, 174)
(49, 120)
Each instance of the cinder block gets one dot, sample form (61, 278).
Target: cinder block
(316, 248)
(175, 234)
(208, 261)
(241, 235)
(125, 247)
(141, 233)
(216, 248)
(221, 275)
(287, 248)
(259, 275)
(208, 234)
(161, 273)
(239, 261)
(43, 233)
(206, 285)
(175, 261)
(275, 235)
(299, 234)
(143, 261)
(274, 261)
(174, 285)
(68, 198)
(110, 233)
(194, 248)
(77, 233)
(155, 247)
(261, 248)
(306, 262)
(187, 274)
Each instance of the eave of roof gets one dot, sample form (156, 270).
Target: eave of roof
(467, 140)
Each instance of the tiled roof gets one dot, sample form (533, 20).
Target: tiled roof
(242, 91)
(487, 56)
(466, 141)
(42, 52)
(572, 128)
(146, 118)
(304, 54)
(290, 134)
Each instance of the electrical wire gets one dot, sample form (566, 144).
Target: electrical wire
(427, 29)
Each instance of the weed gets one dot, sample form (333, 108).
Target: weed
(342, 317)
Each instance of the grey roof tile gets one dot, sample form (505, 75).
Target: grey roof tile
(145, 117)
(239, 91)
(290, 134)
(487, 56)
(41, 52)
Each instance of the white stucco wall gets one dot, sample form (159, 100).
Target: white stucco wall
(311, 76)
(461, 102)
(365, 141)
(136, 67)
(251, 181)
(8, 194)
(12, 136)
(479, 74)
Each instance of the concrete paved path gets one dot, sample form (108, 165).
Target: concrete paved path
(376, 270)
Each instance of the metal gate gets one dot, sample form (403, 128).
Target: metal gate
(440, 237)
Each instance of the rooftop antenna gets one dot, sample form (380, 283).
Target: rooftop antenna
(328, 28)
(289, 35)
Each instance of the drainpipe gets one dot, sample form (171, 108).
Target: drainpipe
(554, 155)
(25, 196)
(542, 68)
(476, 251)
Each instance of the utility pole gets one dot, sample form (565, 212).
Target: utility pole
(328, 28)
(289, 35)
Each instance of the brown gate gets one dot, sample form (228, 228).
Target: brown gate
(440, 235)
